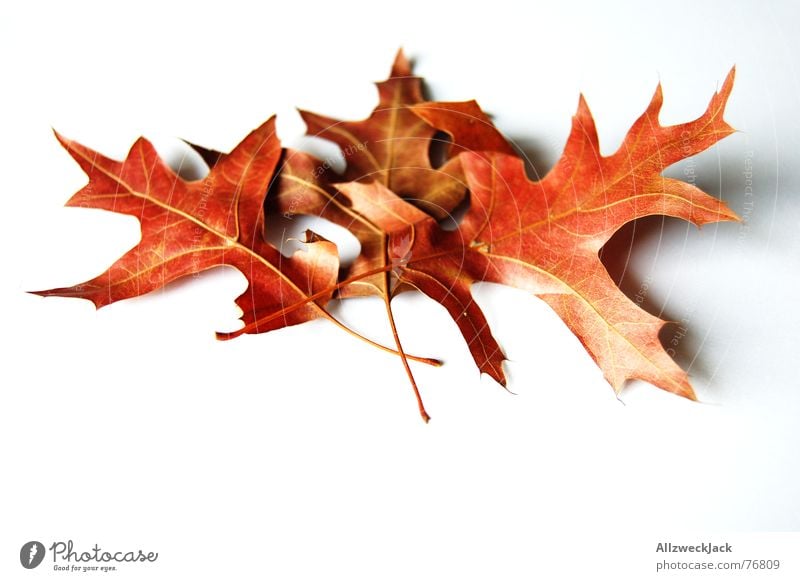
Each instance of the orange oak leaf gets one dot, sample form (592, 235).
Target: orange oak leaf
(392, 145)
(545, 236)
(189, 227)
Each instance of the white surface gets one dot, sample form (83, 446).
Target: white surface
(299, 454)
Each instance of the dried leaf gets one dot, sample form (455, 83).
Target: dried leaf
(189, 227)
(392, 145)
(545, 236)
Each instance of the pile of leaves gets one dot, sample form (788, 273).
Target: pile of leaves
(542, 236)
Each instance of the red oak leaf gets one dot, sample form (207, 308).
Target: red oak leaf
(189, 227)
(392, 145)
(545, 236)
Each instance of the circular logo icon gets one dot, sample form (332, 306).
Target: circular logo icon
(31, 554)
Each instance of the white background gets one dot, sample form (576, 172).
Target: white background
(299, 454)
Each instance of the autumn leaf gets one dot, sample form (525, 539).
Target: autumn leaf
(392, 145)
(545, 236)
(189, 227)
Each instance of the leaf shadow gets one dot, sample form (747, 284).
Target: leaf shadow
(683, 339)
(538, 159)
(187, 163)
(620, 256)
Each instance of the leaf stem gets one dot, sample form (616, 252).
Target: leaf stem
(357, 335)
(388, 302)
(328, 316)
